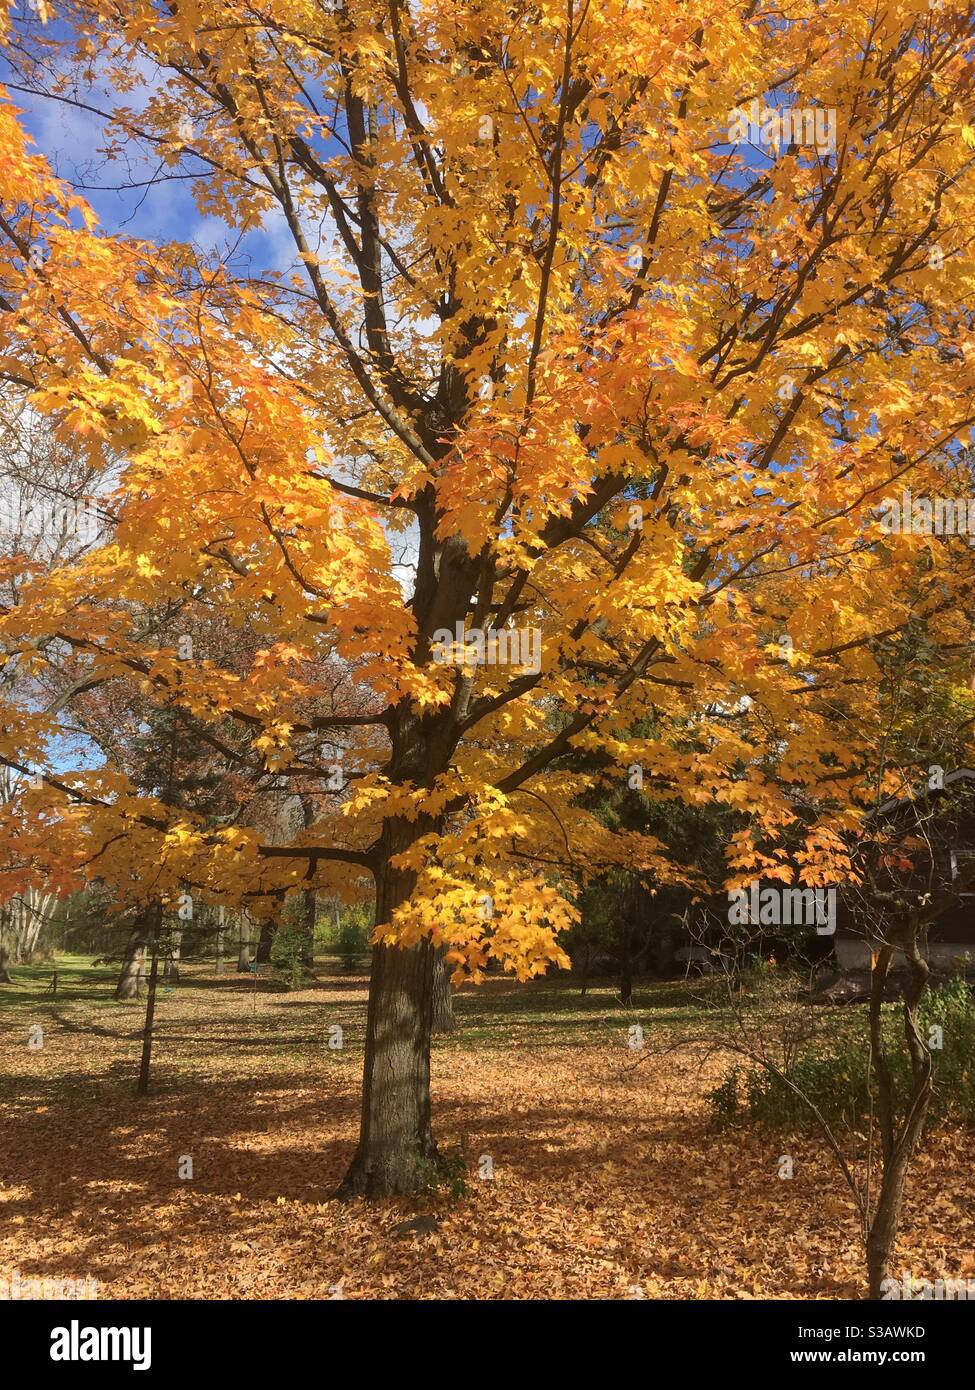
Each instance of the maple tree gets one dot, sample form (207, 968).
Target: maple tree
(559, 367)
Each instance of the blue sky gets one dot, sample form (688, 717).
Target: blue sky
(163, 209)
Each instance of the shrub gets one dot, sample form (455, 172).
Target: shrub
(837, 1080)
(348, 938)
(289, 944)
(446, 1175)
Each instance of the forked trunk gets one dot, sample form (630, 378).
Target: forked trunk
(899, 1143)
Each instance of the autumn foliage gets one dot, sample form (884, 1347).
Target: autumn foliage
(553, 355)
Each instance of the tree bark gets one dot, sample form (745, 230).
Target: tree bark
(142, 1088)
(308, 923)
(898, 1149)
(171, 968)
(443, 998)
(131, 972)
(31, 911)
(5, 915)
(626, 967)
(663, 948)
(396, 1137)
(244, 944)
(264, 943)
(584, 973)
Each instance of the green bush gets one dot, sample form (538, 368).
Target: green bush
(837, 1081)
(445, 1175)
(289, 944)
(348, 938)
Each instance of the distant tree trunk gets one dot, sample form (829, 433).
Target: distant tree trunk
(264, 942)
(308, 931)
(221, 923)
(443, 999)
(663, 948)
(5, 913)
(32, 932)
(634, 908)
(244, 944)
(31, 912)
(18, 923)
(310, 900)
(584, 973)
(626, 966)
(171, 970)
(142, 1088)
(132, 962)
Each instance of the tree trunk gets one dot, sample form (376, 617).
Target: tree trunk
(626, 967)
(18, 919)
(887, 1217)
(663, 948)
(142, 1088)
(221, 922)
(898, 1148)
(395, 1135)
(309, 898)
(308, 924)
(31, 912)
(264, 942)
(171, 969)
(244, 946)
(5, 915)
(884, 1227)
(132, 961)
(584, 973)
(443, 998)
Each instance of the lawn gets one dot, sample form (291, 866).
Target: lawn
(609, 1179)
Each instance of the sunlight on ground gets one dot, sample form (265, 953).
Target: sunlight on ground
(608, 1181)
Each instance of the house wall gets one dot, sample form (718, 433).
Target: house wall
(853, 953)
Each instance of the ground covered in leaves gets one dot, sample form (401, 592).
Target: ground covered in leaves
(609, 1180)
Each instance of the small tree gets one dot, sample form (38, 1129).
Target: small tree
(289, 946)
(904, 884)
